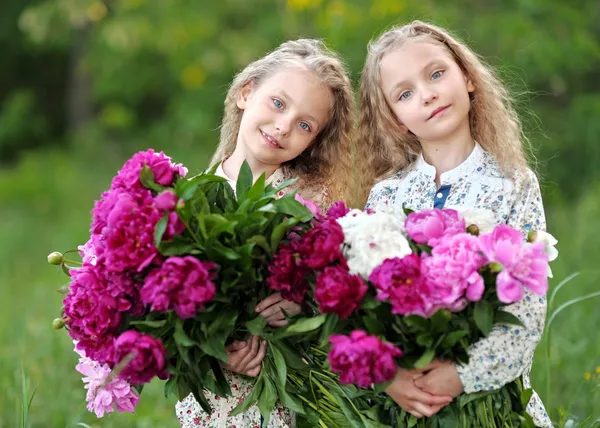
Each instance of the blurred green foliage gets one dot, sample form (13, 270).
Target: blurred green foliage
(85, 83)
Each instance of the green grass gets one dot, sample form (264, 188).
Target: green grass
(45, 205)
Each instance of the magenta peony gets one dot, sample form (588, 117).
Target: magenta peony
(339, 292)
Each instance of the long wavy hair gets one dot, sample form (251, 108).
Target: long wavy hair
(326, 163)
(385, 148)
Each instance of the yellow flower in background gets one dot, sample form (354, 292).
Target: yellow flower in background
(96, 11)
(598, 369)
(303, 4)
(587, 376)
(192, 77)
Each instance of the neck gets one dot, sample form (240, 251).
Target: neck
(232, 165)
(449, 153)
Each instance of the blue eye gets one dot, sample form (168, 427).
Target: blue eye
(405, 95)
(278, 103)
(305, 126)
(436, 75)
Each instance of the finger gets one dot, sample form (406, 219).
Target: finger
(236, 345)
(255, 371)
(251, 353)
(291, 308)
(275, 317)
(279, 323)
(436, 409)
(416, 394)
(271, 310)
(260, 356)
(432, 365)
(269, 301)
(424, 409)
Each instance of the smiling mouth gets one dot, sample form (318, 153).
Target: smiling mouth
(271, 142)
(438, 111)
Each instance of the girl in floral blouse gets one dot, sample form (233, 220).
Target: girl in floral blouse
(438, 128)
(289, 115)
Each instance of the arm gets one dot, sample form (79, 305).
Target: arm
(508, 351)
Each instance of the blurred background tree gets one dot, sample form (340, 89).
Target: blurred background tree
(85, 83)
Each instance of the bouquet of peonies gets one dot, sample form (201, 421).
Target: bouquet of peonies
(399, 289)
(171, 274)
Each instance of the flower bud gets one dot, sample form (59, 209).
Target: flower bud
(55, 258)
(58, 323)
(473, 229)
(532, 236)
(496, 267)
(180, 204)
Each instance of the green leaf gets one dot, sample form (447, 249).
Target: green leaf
(285, 184)
(369, 303)
(180, 336)
(147, 179)
(281, 230)
(425, 359)
(178, 246)
(217, 334)
(280, 366)
(373, 324)
(268, 208)
(244, 181)
(170, 386)
(256, 326)
(151, 324)
(261, 241)
(267, 400)
(440, 321)
(303, 325)
(417, 322)
(503, 317)
(185, 189)
(258, 188)
(452, 338)
(160, 229)
(222, 250)
(290, 206)
(484, 317)
(526, 396)
(250, 399)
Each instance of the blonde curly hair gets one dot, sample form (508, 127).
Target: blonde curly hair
(385, 148)
(326, 162)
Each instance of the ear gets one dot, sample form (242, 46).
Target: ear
(244, 95)
(470, 85)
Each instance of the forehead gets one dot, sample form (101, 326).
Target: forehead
(306, 90)
(408, 60)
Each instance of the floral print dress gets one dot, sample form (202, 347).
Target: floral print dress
(507, 353)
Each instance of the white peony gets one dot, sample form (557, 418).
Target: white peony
(549, 242)
(372, 238)
(482, 218)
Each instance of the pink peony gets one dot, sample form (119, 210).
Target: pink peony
(523, 264)
(362, 359)
(163, 169)
(337, 210)
(93, 312)
(104, 394)
(286, 276)
(166, 201)
(312, 207)
(181, 284)
(451, 273)
(129, 234)
(339, 292)
(148, 357)
(429, 226)
(321, 245)
(399, 280)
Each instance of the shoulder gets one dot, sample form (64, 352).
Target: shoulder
(385, 190)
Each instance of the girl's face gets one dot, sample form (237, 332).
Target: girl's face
(426, 90)
(283, 115)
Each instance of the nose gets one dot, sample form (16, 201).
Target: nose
(283, 125)
(428, 96)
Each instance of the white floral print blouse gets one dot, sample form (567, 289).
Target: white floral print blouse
(479, 183)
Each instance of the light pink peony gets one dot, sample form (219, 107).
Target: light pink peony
(312, 207)
(429, 226)
(362, 360)
(523, 264)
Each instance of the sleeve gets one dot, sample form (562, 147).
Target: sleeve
(383, 192)
(507, 353)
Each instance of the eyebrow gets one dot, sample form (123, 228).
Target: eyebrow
(285, 95)
(404, 82)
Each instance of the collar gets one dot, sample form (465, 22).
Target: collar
(467, 166)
